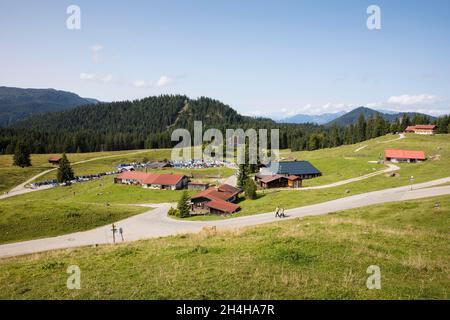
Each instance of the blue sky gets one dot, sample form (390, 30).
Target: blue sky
(273, 58)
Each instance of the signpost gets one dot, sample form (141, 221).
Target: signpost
(411, 180)
(114, 230)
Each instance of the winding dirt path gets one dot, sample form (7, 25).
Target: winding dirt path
(21, 188)
(156, 223)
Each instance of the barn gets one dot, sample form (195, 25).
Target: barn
(288, 174)
(54, 160)
(166, 181)
(427, 129)
(216, 200)
(277, 181)
(409, 156)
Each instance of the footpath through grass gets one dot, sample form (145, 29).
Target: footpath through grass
(11, 176)
(324, 257)
(78, 207)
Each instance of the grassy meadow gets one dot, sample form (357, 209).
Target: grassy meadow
(322, 257)
(431, 169)
(11, 176)
(103, 191)
(78, 207)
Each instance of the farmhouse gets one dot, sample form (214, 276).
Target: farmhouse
(54, 160)
(216, 200)
(277, 181)
(289, 174)
(198, 186)
(422, 129)
(151, 180)
(397, 155)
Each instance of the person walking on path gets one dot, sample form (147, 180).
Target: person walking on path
(277, 212)
(282, 215)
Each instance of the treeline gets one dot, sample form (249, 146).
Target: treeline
(148, 123)
(374, 126)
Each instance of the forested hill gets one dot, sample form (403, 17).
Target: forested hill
(17, 104)
(352, 117)
(145, 123)
(149, 123)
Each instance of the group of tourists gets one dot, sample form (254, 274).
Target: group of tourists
(279, 213)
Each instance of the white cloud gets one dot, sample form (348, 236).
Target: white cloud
(108, 78)
(410, 100)
(165, 81)
(87, 76)
(423, 103)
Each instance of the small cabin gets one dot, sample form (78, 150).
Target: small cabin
(54, 160)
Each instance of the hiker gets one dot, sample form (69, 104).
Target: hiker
(277, 212)
(282, 213)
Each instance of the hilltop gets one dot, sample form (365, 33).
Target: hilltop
(17, 104)
(352, 116)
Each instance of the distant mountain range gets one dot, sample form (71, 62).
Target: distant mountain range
(345, 118)
(352, 116)
(318, 119)
(17, 104)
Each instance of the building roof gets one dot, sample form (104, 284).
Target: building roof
(404, 154)
(54, 159)
(223, 206)
(270, 178)
(296, 168)
(133, 175)
(421, 127)
(425, 127)
(158, 165)
(167, 179)
(151, 178)
(223, 192)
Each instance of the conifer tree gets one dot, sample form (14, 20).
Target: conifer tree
(22, 156)
(183, 206)
(65, 172)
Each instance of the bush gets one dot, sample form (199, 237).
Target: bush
(173, 212)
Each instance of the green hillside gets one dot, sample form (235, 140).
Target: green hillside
(311, 258)
(17, 104)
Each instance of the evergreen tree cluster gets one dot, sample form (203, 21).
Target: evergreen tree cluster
(149, 123)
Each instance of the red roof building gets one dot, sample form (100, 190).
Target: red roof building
(54, 160)
(222, 206)
(153, 180)
(397, 155)
(216, 200)
(422, 129)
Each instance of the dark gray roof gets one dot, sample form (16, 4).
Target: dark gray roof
(297, 168)
(158, 165)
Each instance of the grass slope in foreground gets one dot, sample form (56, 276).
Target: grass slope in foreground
(322, 257)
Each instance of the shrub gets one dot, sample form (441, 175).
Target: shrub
(250, 189)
